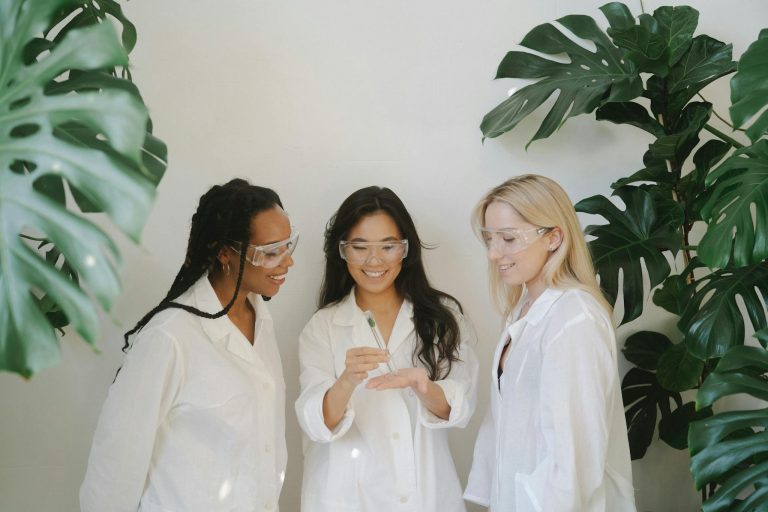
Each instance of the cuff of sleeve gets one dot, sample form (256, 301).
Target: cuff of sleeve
(455, 399)
(314, 420)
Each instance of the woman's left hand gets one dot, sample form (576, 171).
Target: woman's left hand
(415, 378)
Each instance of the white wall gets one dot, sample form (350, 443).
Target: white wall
(317, 99)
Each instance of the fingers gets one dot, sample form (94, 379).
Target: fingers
(361, 360)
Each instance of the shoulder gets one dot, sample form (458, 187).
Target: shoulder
(168, 326)
(575, 303)
(577, 317)
(321, 319)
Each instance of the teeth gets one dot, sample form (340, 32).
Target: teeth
(373, 274)
(278, 277)
(506, 267)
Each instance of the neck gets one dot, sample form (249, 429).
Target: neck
(224, 287)
(535, 288)
(386, 300)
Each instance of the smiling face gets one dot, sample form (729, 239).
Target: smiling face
(375, 276)
(267, 227)
(526, 266)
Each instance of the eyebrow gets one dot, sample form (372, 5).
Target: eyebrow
(388, 239)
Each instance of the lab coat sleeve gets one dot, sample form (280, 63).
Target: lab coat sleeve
(316, 376)
(484, 464)
(578, 373)
(137, 403)
(460, 386)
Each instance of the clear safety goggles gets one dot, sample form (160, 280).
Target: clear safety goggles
(270, 255)
(359, 253)
(510, 241)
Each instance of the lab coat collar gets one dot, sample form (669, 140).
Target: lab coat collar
(349, 313)
(217, 329)
(539, 308)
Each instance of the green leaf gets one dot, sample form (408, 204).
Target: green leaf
(618, 15)
(749, 89)
(677, 145)
(679, 370)
(677, 25)
(673, 429)
(644, 348)
(727, 497)
(642, 232)
(676, 293)
(589, 80)
(712, 321)
(705, 61)
(37, 288)
(738, 185)
(630, 113)
(691, 188)
(733, 445)
(643, 398)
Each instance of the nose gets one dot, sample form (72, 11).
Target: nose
(494, 253)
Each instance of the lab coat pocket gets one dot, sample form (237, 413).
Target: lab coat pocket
(525, 498)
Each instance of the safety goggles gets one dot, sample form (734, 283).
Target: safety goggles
(270, 255)
(510, 241)
(360, 253)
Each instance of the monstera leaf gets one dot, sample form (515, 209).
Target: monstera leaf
(737, 209)
(712, 321)
(644, 398)
(642, 232)
(590, 79)
(749, 88)
(36, 153)
(731, 448)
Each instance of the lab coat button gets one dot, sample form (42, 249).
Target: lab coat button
(395, 436)
(403, 499)
(267, 448)
(268, 506)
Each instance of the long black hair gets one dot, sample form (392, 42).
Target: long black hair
(438, 332)
(223, 215)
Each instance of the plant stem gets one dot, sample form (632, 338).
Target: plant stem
(717, 133)
(721, 118)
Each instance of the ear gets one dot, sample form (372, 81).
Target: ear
(555, 238)
(224, 256)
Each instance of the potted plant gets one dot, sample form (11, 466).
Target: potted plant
(706, 204)
(75, 139)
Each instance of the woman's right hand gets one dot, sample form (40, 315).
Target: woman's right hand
(360, 361)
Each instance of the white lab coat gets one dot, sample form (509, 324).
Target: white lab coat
(195, 421)
(554, 438)
(388, 453)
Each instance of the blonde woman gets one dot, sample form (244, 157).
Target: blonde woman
(554, 439)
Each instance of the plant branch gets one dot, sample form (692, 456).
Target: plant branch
(717, 133)
(721, 118)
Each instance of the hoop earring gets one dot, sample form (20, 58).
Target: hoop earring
(225, 268)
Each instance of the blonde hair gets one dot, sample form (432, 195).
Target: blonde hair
(542, 202)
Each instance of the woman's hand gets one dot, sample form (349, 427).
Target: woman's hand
(359, 362)
(415, 378)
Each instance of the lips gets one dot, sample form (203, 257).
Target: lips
(278, 278)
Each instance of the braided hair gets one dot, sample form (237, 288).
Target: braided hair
(223, 215)
(436, 326)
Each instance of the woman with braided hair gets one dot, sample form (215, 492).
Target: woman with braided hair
(195, 419)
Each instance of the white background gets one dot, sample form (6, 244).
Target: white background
(317, 99)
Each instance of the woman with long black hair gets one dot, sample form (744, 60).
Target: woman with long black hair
(195, 420)
(386, 369)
